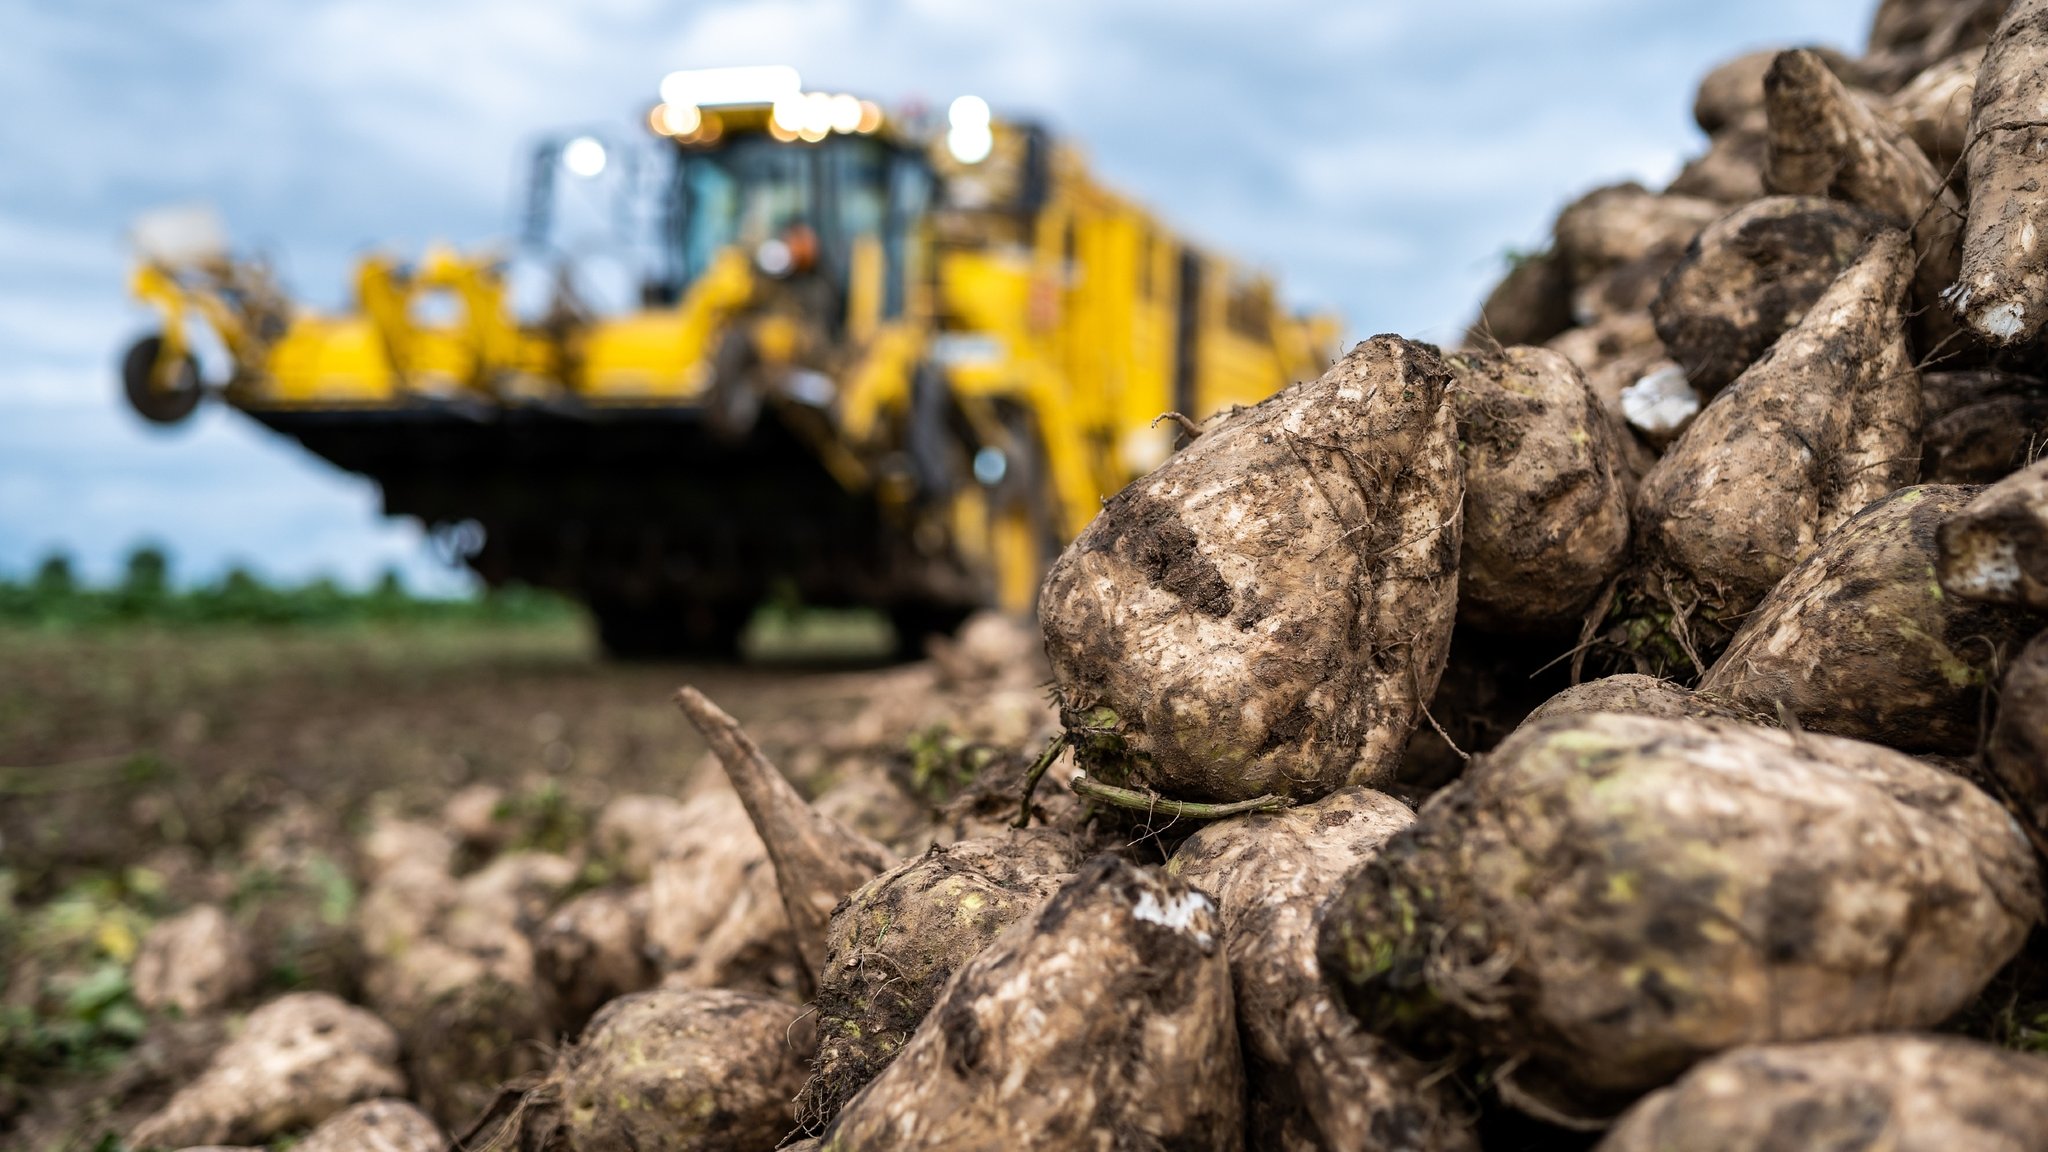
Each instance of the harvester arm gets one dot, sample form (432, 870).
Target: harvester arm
(725, 288)
(385, 298)
(159, 289)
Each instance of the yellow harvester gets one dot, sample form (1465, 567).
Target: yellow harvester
(872, 363)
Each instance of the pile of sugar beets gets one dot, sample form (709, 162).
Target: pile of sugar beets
(1757, 446)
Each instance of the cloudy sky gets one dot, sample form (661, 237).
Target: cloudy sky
(1379, 157)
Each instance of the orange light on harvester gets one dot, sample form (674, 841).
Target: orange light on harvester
(812, 116)
(844, 113)
(786, 118)
(817, 117)
(685, 123)
(676, 119)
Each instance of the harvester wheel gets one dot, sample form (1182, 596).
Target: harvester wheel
(733, 405)
(670, 630)
(918, 621)
(167, 405)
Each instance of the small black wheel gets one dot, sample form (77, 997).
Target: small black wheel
(917, 621)
(633, 630)
(733, 406)
(166, 405)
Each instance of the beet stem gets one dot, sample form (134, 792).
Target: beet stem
(1037, 773)
(1178, 809)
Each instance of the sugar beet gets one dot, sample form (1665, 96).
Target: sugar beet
(1101, 1021)
(1824, 423)
(376, 1126)
(896, 941)
(1267, 611)
(1606, 899)
(1901, 1093)
(1825, 141)
(2001, 290)
(1749, 277)
(1546, 517)
(1860, 640)
(1638, 695)
(671, 1071)
(1615, 225)
(1532, 303)
(1316, 1079)
(299, 1059)
(2018, 751)
(1934, 109)
(817, 859)
(1994, 548)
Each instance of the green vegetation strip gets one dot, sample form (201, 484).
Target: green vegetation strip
(54, 597)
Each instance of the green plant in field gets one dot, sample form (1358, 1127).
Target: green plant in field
(74, 1006)
(546, 819)
(942, 762)
(2028, 1032)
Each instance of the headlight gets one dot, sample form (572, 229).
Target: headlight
(773, 258)
(990, 466)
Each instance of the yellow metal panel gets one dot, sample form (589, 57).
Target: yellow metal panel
(338, 360)
(644, 356)
(864, 289)
(665, 355)
(880, 382)
(1018, 564)
(1236, 370)
(987, 291)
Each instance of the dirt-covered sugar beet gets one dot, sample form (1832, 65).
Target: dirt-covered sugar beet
(1317, 1081)
(193, 963)
(1733, 91)
(450, 963)
(1902, 1093)
(376, 1126)
(2001, 290)
(1862, 640)
(895, 942)
(667, 1071)
(593, 949)
(1982, 424)
(1640, 695)
(2018, 749)
(817, 859)
(1749, 277)
(1532, 303)
(714, 912)
(1546, 515)
(1266, 612)
(299, 1059)
(1934, 109)
(1983, 442)
(1826, 141)
(1995, 547)
(1606, 899)
(1729, 108)
(1616, 225)
(1103, 1020)
(1614, 353)
(1827, 421)
(1907, 37)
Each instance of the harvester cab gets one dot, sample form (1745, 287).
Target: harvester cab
(869, 359)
